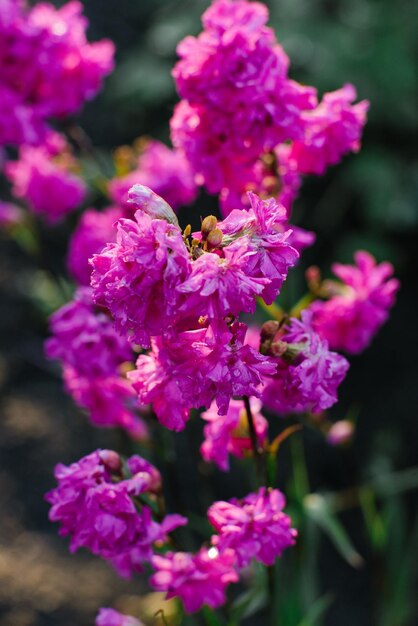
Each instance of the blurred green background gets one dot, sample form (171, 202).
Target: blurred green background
(369, 201)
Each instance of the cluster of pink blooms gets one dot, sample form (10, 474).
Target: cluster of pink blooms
(246, 131)
(167, 172)
(187, 297)
(98, 504)
(110, 617)
(47, 67)
(239, 106)
(92, 354)
(45, 179)
(357, 306)
(308, 374)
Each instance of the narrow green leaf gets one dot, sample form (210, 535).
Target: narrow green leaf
(317, 509)
(317, 611)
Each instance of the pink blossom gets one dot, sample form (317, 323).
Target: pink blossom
(308, 374)
(192, 368)
(269, 254)
(136, 277)
(44, 180)
(85, 338)
(333, 129)
(228, 434)
(110, 617)
(196, 579)
(94, 230)
(238, 101)
(99, 513)
(167, 172)
(350, 318)
(254, 527)
(109, 400)
(340, 433)
(42, 47)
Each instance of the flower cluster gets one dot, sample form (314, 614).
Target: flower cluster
(357, 306)
(308, 373)
(254, 527)
(186, 296)
(45, 178)
(98, 504)
(47, 67)
(167, 172)
(92, 354)
(239, 107)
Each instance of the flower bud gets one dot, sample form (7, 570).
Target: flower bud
(111, 460)
(209, 223)
(214, 238)
(269, 329)
(340, 433)
(150, 203)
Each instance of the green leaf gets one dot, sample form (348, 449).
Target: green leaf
(317, 611)
(211, 618)
(318, 509)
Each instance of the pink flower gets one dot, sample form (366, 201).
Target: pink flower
(192, 368)
(110, 617)
(167, 172)
(99, 513)
(44, 180)
(92, 353)
(109, 400)
(238, 101)
(42, 47)
(333, 129)
(221, 286)
(94, 230)
(254, 527)
(350, 318)
(196, 579)
(228, 434)
(308, 374)
(340, 433)
(85, 338)
(269, 253)
(136, 277)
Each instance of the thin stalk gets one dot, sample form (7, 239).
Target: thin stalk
(258, 454)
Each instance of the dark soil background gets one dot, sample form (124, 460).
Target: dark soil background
(370, 201)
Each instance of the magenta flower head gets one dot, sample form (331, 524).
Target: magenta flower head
(94, 230)
(44, 180)
(333, 129)
(358, 306)
(228, 434)
(85, 338)
(136, 277)
(196, 579)
(42, 48)
(254, 527)
(94, 502)
(165, 171)
(110, 617)
(308, 373)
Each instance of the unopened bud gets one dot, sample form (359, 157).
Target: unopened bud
(209, 223)
(269, 329)
(340, 433)
(111, 460)
(279, 348)
(214, 238)
(150, 203)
